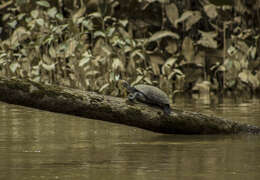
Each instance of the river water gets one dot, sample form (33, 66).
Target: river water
(39, 145)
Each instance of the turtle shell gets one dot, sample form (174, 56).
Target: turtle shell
(153, 94)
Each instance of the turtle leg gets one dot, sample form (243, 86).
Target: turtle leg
(167, 109)
(132, 96)
(140, 97)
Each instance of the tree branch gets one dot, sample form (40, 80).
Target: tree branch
(113, 109)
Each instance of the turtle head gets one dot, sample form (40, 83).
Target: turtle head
(126, 85)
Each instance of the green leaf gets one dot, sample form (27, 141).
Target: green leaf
(95, 15)
(12, 24)
(99, 33)
(189, 18)
(92, 73)
(167, 67)
(86, 58)
(123, 22)
(48, 39)
(161, 34)
(36, 79)
(3, 55)
(138, 79)
(35, 70)
(117, 77)
(252, 52)
(19, 55)
(59, 29)
(188, 50)
(115, 40)
(103, 87)
(2, 61)
(211, 11)
(117, 64)
(232, 50)
(112, 19)
(43, 3)
(59, 16)
(35, 13)
(21, 16)
(171, 47)
(40, 21)
(52, 12)
(14, 66)
(148, 80)
(52, 52)
(80, 20)
(6, 16)
(111, 76)
(138, 53)
(127, 49)
(110, 31)
(48, 67)
(172, 12)
(174, 73)
(24, 52)
(88, 24)
(28, 20)
(207, 39)
(84, 61)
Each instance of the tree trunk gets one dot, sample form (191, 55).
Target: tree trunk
(114, 109)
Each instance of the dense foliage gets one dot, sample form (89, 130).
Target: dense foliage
(176, 45)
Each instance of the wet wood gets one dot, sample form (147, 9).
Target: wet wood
(113, 109)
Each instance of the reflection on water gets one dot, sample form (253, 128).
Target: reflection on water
(42, 145)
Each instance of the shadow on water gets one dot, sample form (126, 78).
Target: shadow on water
(42, 145)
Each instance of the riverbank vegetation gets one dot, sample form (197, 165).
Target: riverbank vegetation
(179, 46)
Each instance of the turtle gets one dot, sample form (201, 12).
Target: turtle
(148, 94)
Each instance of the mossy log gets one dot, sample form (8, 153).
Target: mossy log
(114, 109)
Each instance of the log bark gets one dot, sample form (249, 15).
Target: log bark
(113, 109)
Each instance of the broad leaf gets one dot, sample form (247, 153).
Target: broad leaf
(103, 87)
(117, 64)
(161, 34)
(12, 24)
(207, 39)
(52, 12)
(84, 61)
(59, 16)
(48, 67)
(188, 49)
(43, 3)
(95, 15)
(87, 56)
(40, 21)
(167, 67)
(171, 47)
(52, 52)
(99, 34)
(35, 14)
(92, 73)
(14, 66)
(138, 79)
(172, 12)
(189, 18)
(211, 11)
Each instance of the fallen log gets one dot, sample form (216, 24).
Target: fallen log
(113, 109)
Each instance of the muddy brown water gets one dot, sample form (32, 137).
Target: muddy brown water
(39, 145)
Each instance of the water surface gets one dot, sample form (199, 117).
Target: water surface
(38, 145)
